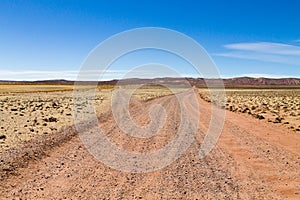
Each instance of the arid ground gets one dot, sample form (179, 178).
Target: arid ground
(277, 106)
(253, 159)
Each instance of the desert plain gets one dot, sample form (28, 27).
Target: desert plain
(28, 111)
(277, 106)
(257, 155)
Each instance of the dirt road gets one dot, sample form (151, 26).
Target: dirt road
(252, 160)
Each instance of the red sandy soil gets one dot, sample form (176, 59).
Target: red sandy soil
(252, 160)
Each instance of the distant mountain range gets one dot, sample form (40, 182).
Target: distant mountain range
(200, 82)
(262, 81)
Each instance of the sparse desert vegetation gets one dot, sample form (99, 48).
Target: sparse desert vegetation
(250, 146)
(146, 93)
(278, 106)
(26, 115)
(32, 88)
(31, 110)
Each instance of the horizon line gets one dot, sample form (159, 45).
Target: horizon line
(116, 79)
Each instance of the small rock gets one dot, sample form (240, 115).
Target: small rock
(2, 137)
(50, 119)
(278, 120)
(260, 117)
(245, 110)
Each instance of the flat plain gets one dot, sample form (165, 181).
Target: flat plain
(43, 157)
(28, 111)
(275, 106)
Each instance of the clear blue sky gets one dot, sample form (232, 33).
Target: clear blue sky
(50, 39)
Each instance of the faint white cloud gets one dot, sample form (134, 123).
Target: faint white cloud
(266, 76)
(30, 72)
(266, 48)
(37, 72)
(32, 75)
(264, 51)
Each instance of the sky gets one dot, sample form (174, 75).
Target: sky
(51, 39)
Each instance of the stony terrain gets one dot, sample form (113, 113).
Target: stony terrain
(23, 116)
(31, 110)
(276, 106)
(252, 160)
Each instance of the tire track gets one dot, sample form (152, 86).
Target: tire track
(243, 165)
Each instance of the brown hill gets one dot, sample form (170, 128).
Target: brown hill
(199, 82)
(262, 81)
